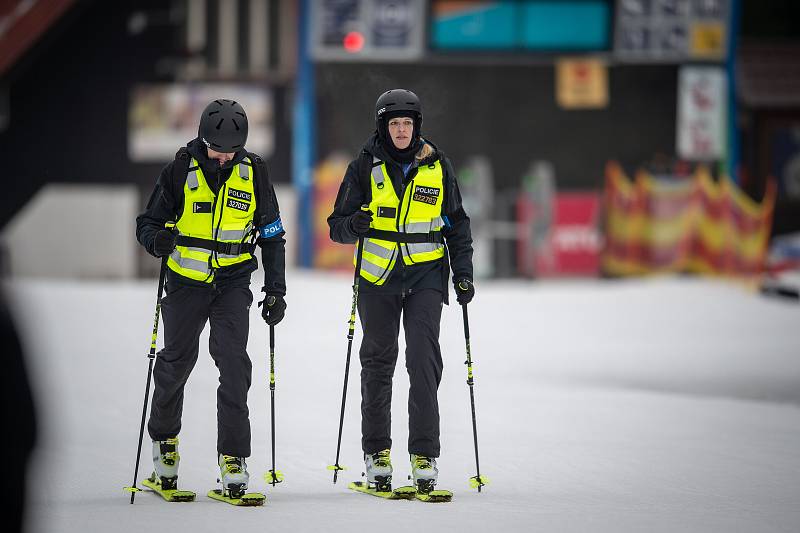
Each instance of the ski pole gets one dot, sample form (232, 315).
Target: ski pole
(476, 481)
(274, 476)
(350, 333)
(151, 357)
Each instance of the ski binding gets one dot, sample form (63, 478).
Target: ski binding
(168, 490)
(400, 493)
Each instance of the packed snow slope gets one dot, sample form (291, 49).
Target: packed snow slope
(643, 405)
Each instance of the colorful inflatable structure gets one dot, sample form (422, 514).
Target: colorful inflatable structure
(683, 224)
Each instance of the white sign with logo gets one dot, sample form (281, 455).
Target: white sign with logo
(702, 105)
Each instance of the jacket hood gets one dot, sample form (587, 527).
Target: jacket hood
(375, 148)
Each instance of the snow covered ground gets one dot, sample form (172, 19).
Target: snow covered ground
(644, 405)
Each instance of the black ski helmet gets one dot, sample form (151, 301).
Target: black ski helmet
(223, 126)
(395, 103)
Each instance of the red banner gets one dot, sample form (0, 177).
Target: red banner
(572, 243)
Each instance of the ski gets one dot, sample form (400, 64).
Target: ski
(251, 499)
(434, 496)
(400, 493)
(171, 495)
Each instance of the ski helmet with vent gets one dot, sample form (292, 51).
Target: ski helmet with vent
(398, 100)
(223, 126)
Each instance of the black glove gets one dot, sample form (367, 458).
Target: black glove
(274, 307)
(360, 221)
(465, 290)
(164, 243)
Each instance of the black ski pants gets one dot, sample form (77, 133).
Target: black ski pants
(380, 322)
(185, 310)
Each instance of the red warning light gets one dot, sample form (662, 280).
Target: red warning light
(353, 42)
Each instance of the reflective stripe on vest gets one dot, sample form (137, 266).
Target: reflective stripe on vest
(419, 212)
(226, 217)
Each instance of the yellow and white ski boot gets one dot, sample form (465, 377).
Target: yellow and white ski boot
(379, 470)
(165, 463)
(233, 475)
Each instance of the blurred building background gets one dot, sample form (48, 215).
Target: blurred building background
(591, 137)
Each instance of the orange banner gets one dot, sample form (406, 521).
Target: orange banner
(327, 177)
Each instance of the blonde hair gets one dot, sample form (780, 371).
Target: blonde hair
(425, 151)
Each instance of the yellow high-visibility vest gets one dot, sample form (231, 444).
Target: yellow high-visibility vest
(419, 212)
(226, 217)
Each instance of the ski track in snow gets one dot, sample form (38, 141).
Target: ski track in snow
(665, 404)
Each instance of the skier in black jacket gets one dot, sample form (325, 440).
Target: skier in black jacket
(220, 200)
(415, 216)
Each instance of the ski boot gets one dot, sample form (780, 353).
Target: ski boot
(165, 463)
(233, 475)
(424, 473)
(379, 470)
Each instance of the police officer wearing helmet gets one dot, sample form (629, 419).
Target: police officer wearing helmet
(414, 218)
(223, 206)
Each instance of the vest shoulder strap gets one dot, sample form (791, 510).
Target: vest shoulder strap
(244, 167)
(377, 173)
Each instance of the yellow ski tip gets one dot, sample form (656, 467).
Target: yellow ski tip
(131, 489)
(273, 476)
(336, 467)
(478, 481)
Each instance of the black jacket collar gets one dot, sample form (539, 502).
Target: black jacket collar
(214, 173)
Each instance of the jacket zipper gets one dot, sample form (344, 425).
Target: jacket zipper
(214, 234)
(400, 245)
(408, 209)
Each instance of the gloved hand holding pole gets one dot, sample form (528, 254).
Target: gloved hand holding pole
(151, 356)
(350, 333)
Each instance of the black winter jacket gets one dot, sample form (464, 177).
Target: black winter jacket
(355, 190)
(166, 203)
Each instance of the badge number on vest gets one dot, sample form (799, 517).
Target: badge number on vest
(236, 204)
(427, 195)
(201, 207)
(240, 195)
